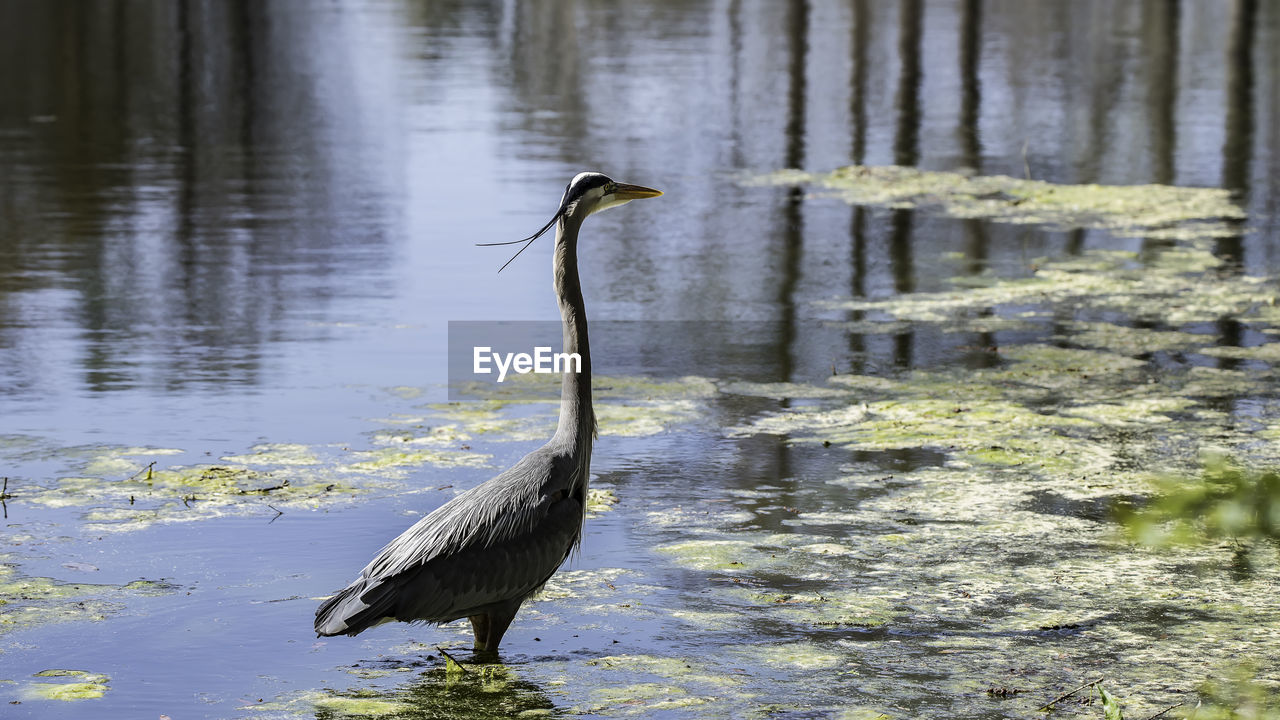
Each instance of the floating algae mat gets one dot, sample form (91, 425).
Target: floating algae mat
(526, 407)
(129, 488)
(1154, 211)
(28, 601)
(70, 685)
(1003, 558)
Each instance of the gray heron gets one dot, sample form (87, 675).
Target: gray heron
(481, 554)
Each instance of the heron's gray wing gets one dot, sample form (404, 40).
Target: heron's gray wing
(472, 579)
(506, 507)
(497, 541)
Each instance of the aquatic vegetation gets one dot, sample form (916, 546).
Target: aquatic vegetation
(1110, 705)
(1150, 210)
(1108, 281)
(473, 692)
(124, 489)
(579, 584)
(28, 601)
(397, 462)
(358, 706)
(779, 391)
(184, 493)
(1224, 502)
(526, 407)
(996, 544)
(1238, 694)
(82, 686)
(275, 454)
(1131, 341)
(804, 656)
(600, 500)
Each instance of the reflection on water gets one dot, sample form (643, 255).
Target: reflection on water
(229, 222)
(173, 196)
(188, 185)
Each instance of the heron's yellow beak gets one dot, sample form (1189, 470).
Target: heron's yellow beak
(622, 191)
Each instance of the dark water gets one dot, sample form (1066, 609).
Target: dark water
(223, 223)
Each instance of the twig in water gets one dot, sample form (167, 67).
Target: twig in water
(1162, 712)
(452, 659)
(1025, 167)
(265, 490)
(148, 468)
(279, 512)
(4, 495)
(1064, 696)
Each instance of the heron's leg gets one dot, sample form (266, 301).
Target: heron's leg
(499, 621)
(480, 627)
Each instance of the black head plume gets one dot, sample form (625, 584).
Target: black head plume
(527, 241)
(573, 193)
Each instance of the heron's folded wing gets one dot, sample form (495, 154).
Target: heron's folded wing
(464, 582)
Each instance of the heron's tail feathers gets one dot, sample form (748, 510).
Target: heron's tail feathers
(361, 605)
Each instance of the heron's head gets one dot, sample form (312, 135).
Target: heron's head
(591, 192)
(587, 192)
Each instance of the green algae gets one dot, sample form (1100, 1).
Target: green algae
(275, 454)
(1150, 210)
(1150, 289)
(722, 555)
(366, 703)
(397, 462)
(1268, 353)
(830, 609)
(479, 692)
(360, 706)
(636, 699)
(803, 656)
(125, 489)
(959, 579)
(1130, 340)
(581, 584)
(1004, 552)
(779, 391)
(29, 601)
(526, 407)
(643, 684)
(600, 500)
(86, 686)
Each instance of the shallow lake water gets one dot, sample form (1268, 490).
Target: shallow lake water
(858, 443)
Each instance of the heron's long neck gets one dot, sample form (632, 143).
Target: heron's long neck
(577, 420)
